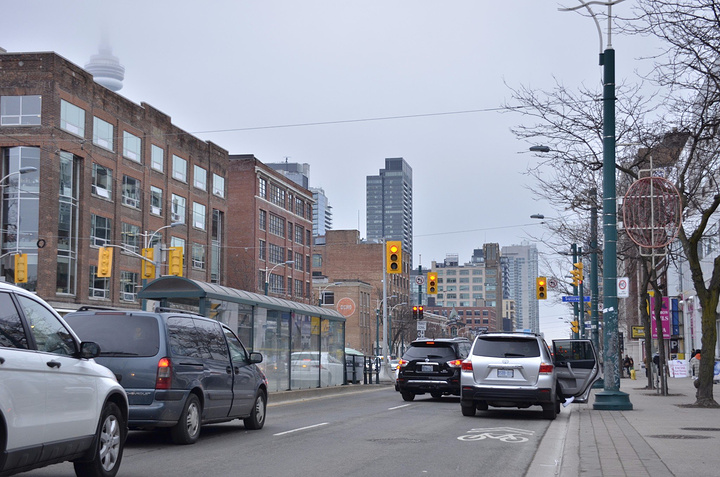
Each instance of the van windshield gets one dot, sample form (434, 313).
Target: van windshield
(118, 335)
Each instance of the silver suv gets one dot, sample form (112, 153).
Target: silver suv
(518, 370)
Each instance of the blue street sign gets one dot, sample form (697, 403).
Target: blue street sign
(573, 298)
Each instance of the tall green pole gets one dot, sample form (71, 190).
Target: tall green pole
(581, 297)
(576, 335)
(611, 398)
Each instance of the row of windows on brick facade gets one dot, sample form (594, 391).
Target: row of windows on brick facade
(276, 254)
(466, 296)
(276, 285)
(274, 193)
(26, 110)
(476, 271)
(276, 226)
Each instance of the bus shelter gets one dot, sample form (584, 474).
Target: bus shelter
(302, 345)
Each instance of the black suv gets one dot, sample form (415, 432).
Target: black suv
(179, 370)
(432, 366)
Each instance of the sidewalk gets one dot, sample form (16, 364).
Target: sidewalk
(658, 438)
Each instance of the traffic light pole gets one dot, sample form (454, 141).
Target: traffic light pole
(581, 297)
(576, 334)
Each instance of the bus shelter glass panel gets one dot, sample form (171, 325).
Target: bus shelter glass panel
(272, 339)
(306, 370)
(332, 345)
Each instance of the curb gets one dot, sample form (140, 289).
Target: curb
(551, 454)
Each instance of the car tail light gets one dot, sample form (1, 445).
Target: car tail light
(546, 368)
(466, 365)
(164, 374)
(455, 363)
(402, 363)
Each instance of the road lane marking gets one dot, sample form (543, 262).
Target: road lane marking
(398, 407)
(301, 429)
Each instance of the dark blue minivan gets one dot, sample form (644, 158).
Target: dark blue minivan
(179, 370)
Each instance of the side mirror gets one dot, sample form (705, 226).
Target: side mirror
(256, 357)
(89, 349)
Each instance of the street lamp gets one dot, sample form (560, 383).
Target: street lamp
(377, 323)
(267, 273)
(157, 259)
(390, 319)
(22, 170)
(321, 297)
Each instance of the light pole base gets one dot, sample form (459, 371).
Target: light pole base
(612, 401)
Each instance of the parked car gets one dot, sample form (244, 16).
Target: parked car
(518, 370)
(306, 369)
(431, 366)
(180, 370)
(56, 403)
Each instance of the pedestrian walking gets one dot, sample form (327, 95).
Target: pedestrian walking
(627, 363)
(695, 366)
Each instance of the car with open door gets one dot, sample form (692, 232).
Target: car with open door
(518, 370)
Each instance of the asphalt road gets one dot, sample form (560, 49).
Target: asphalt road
(353, 434)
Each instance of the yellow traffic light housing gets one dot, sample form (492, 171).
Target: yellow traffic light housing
(577, 273)
(21, 272)
(575, 326)
(415, 312)
(432, 280)
(148, 269)
(175, 261)
(104, 269)
(393, 254)
(541, 288)
(420, 312)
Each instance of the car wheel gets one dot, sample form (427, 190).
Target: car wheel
(256, 420)
(187, 430)
(550, 410)
(467, 408)
(407, 396)
(436, 395)
(108, 448)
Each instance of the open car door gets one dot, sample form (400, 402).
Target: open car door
(577, 367)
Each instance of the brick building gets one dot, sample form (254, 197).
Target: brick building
(352, 299)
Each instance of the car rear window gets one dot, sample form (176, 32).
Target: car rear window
(497, 347)
(118, 334)
(436, 351)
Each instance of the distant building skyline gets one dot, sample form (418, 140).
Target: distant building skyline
(519, 270)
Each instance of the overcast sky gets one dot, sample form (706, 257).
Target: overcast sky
(256, 77)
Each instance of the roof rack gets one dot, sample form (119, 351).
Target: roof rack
(167, 309)
(94, 307)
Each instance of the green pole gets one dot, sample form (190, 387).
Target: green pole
(611, 398)
(576, 335)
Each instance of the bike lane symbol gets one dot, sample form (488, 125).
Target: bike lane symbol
(504, 434)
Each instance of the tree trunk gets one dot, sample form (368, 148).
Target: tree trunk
(662, 361)
(704, 384)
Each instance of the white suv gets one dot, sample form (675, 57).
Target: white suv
(507, 369)
(56, 403)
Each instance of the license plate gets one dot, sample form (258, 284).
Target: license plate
(505, 373)
(427, 368)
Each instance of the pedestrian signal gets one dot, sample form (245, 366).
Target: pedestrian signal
(393, 254)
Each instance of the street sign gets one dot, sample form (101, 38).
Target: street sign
(552, 283)
(623, 290)
(419, 279)
(573, 298)
(422, 325)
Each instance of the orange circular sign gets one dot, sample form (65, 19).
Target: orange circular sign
(346, 307)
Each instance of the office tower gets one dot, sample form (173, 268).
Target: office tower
(322, 212)
(520, 269)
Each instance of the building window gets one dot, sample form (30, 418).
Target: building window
(262, 188)
(277, 195)
(157, 158)
(178, 209)
(20, 110)
(131, 237)
(298, 288)
(103, 134)
(215, 245)
(218, 185)
(277, 283)
(317, 260)
(99, 287)
(72, 118)
(131, 192)
(198, 216)
(100, 230)
(128, 286)
(262, 219)
(156, 200)
(277, 225)
(179, 168)
(132, 147)
(299, 207)
(200, 178)
(198, 256)
(102, 181)
(178, 242)
(67, 225)
(276, 253)
(299, 262)
(261, 248)
(299, 234)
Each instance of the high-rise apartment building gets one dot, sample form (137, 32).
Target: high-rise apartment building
(389, 204)
(322, 212)
(520, 269)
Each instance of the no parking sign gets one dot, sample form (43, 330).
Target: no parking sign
(623, 290)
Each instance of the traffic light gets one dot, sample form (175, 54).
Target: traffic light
(175, 261)
(577, 273)
(420, 312)
(432, 287)
(148, 269)
(393, 253)
(415, 312)
(541, 288)
(21, 275)
(575, 326)
(105, 255)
